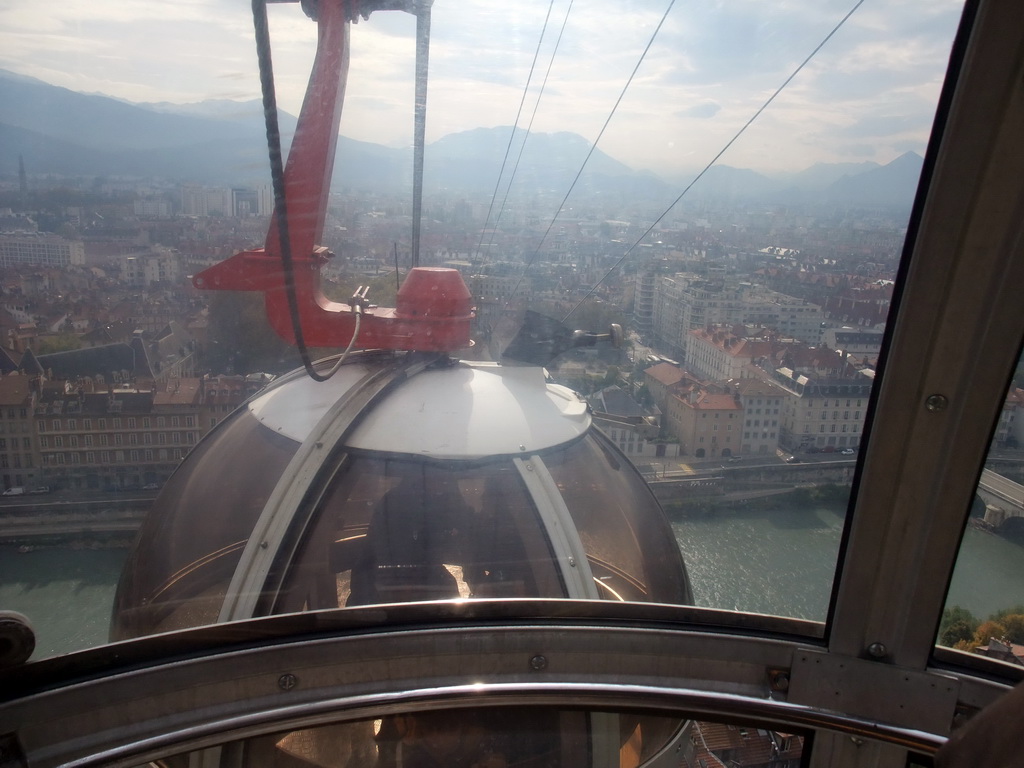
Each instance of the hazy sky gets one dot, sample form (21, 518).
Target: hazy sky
(868, 95)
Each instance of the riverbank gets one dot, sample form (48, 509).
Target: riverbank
(833, 496)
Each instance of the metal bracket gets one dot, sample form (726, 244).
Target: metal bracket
(908, 698)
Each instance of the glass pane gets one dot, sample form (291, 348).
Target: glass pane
(510, 737)
(400, 531)
(985, 605)
(753, 301)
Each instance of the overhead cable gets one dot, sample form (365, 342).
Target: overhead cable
(593, 146)
(715, 159)
(512, 133)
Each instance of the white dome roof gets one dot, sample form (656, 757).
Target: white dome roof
(467, 411)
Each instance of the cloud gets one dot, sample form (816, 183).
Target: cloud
(712, 65)
(701, 111)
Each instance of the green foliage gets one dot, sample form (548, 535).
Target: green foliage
(988, 629)
(957, 632)
(1014, 625)
(62, 342)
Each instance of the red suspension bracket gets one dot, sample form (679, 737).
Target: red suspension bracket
(434, 307)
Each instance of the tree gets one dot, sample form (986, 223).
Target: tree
(955, 633)
(957, 627)
(988, 630)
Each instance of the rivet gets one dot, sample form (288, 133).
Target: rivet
(572, 561)
(936, 403)
(538, 663)
(878, 650)
(287, 681)
(264, 544)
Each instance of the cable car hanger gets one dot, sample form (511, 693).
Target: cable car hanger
(434, 308)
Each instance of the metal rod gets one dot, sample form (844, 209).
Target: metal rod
(420, 127)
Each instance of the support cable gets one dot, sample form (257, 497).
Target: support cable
(593, 146)
(419, 123)
(529, 127)
(512, 134)
(715, 159)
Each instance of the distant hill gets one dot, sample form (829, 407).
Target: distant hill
(891, 184)
(221, 142)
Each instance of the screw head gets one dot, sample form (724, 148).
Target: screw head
(878, 650)
(936, 403)
(538, 663)
(287, 681)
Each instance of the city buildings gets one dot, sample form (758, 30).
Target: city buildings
(39, 249)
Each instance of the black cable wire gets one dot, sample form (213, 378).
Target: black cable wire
(262, 30)
(512, 134)
(593, 146)
(715, 159)
(529, 128)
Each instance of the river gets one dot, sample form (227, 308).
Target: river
(769, 561)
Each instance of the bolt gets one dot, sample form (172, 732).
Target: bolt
(287, 681)
(538, 663)
(778, 679)
(572, 562)
(857, 740)
(878, 650)
(936, 403)
(264, 544)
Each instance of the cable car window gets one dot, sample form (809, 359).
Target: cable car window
(181, 565)
(401, 531)
(506, 737)
(753, 300)
(984, 611)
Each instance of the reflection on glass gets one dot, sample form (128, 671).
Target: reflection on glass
(516, 738)
(754, 304)
(985, 606)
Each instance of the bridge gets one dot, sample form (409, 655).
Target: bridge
(1003, 498)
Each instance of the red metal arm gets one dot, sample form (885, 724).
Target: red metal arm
(434, 306)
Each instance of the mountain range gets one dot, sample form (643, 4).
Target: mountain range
(62, 132)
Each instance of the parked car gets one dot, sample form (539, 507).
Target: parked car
(793, 460)
(15, 491)
(151, 487)
(40, 489)
(735, 458)
(847, 451)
